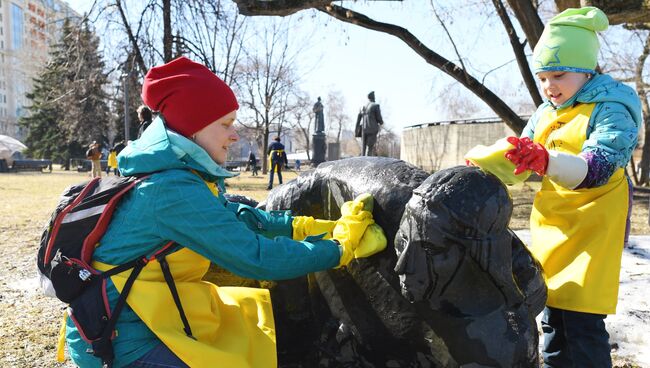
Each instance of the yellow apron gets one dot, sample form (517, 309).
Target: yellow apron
(233, 326)
(577, 235)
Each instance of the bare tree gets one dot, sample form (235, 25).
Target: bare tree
(642, 90)
(458, 72)
(336, 115)
(388, 143)
(525, 11)
(209, 31)
(268, 79)
(301, 120)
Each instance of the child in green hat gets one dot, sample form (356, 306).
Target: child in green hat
(579, 140)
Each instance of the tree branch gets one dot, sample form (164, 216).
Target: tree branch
(518, 49)
(528, 19)
(134, 42)
(496, 104)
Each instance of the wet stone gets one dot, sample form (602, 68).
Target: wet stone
(455, 287)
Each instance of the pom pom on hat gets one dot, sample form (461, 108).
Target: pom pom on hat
(188, 95)
(569, 41)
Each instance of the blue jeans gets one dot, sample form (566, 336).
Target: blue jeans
(575, 339)
(159, 357)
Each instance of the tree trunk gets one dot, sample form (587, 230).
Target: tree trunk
(167, 30)
(618, 11)
(518, 49)
(640, 89)
(265, 146)
(644, 166)
(132, 39)
(493, 101)
(529, 20)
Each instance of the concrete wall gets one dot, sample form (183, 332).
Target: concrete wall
(440, 145)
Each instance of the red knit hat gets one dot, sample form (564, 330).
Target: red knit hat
(188, 95)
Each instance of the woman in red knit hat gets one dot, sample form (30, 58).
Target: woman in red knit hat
(182, 201)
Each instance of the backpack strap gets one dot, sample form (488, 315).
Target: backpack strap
(103, 346)
(172, 288)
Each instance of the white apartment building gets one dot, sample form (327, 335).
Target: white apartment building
(27, 27)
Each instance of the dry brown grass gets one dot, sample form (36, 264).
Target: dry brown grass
(29, 322)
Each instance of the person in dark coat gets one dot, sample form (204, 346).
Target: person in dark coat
(278, 158)
(252, 163)
(145, 117)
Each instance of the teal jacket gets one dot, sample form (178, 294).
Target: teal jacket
(613, 128)
(175, 204)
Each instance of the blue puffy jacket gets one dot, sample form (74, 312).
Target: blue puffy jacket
(175, 204)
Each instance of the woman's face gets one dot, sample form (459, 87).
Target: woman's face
(217, 137)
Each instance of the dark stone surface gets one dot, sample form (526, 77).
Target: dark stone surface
(467, 274)
(319, 148)
(466, 290)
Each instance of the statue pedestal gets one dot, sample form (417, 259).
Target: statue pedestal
(319, 147)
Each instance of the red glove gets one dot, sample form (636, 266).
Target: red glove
(527, 155)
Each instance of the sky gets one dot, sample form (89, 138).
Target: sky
(354, 60)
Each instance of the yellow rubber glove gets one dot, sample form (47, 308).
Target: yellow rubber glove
(373, 241)
(304, 226)
(350, 228)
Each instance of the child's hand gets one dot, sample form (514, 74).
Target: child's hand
(527, 155)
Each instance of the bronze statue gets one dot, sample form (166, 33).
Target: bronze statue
(319, 118)
(368, 122)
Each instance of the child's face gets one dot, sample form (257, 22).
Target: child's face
(560, 86)
(217, 137)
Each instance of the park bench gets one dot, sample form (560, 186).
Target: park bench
(31, 165)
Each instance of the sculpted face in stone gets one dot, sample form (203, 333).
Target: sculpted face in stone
(452, 233)
(456, 263)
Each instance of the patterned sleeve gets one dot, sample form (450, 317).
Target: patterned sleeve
(611, 138)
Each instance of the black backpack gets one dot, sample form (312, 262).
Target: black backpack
(65, 255)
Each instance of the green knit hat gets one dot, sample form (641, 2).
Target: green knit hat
(569, 41)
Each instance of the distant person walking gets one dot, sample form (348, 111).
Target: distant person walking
(94, 155)
(278, 157)
(145, 117)
(112, 163)
(297, 164)
(252, 163)
(112, 157)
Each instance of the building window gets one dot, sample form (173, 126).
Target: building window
(16, 26)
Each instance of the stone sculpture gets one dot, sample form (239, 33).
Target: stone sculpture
(455, 287)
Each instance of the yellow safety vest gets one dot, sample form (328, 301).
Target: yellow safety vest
(233, 326)
(279, 152)
(578, 235)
